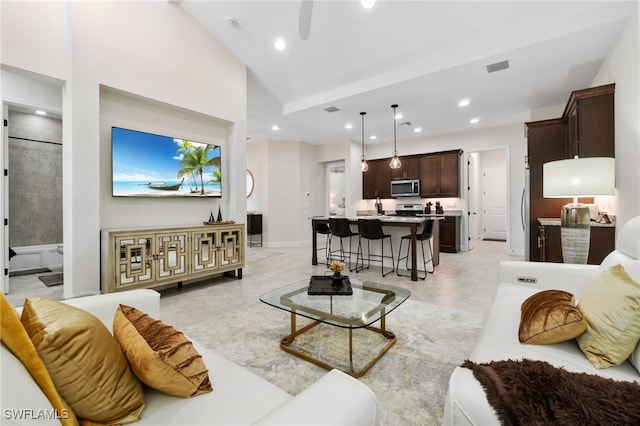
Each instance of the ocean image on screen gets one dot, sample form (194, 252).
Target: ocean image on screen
(149, 165)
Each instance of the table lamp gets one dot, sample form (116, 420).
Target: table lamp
(577, 177)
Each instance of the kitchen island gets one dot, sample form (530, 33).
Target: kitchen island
(412, 223)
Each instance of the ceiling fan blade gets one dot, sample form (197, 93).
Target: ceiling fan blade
(304, 20)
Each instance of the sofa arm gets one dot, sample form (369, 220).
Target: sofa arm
(103, 306)
(334, 399)
(543, 275)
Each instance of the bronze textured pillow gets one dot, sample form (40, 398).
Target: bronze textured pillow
(550, 316)
(611, 305)
(85, 362)
(161, 356)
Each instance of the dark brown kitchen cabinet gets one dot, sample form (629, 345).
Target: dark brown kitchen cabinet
(601, 243)
(589, 118)
(440, 174)
(449, 234)
(586, 128)
(409, 168)
(376, 182)
(545, 142)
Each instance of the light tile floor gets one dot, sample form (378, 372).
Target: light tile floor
(464, 280)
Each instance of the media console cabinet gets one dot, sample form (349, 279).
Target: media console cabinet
(147, 258)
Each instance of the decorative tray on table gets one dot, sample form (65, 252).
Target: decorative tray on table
(220, 222)
(329, 285)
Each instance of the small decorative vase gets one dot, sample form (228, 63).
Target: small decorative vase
(337, 276)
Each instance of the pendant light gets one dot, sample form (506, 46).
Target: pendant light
(363, 161)
(395, 161)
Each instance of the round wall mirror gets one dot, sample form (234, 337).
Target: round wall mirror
(250, 183)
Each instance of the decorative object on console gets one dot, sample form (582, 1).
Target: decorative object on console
(219, 215)
(577, 177)
(363, 160)
(395, 161)
(159, 355)
(550, 316)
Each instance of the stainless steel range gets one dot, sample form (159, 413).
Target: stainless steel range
(409, 209)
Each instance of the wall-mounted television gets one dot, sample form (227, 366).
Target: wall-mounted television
(149, 165)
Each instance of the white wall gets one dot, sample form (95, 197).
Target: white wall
(122, 110)
(622, 68)
(149, 49)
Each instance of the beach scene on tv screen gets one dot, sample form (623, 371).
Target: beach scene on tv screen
(149, 165)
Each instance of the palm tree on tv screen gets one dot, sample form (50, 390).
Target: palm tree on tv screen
(196, 159)
(184, 147)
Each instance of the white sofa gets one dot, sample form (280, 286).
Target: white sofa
(239, 396)
(466, 402)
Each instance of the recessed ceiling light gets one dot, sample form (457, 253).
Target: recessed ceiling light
(275, 127)
(372, 137)
(398, 116)
(417, 130)
(40, 112)
(279, 44)
(367, 4)
(464, 102)
(474, 120)
(349, 126)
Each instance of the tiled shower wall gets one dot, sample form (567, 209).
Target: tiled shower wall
(35, 180)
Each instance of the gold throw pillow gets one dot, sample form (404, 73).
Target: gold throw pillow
(611, 305)
(15, 337)
(85, 362)
(550, 316)
(161, 356)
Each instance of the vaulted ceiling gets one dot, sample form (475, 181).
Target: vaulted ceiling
(425, 56)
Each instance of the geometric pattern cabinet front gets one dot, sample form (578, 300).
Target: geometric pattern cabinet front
(152, 257)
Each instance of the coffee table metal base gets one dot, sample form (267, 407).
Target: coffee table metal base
(285, 345)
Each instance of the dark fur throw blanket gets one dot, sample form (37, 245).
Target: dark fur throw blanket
(536, 393)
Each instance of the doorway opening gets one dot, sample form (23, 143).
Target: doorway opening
(336, 188)
(486, 196)
(32, 147)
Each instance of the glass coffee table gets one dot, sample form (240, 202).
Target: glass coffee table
(369, 303)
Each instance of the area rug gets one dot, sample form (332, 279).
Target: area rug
(410, 381)
(52, 280)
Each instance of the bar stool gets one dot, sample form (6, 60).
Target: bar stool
(339, 227)
(425, 235)
(371, 229)
(323, 228)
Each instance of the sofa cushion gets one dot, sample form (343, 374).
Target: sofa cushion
(550, 316)
(85, 362)
(18, 390)
(161, 356)
(610, 304)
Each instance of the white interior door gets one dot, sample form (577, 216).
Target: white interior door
(495, 203)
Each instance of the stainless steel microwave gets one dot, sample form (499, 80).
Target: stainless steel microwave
(405, 188)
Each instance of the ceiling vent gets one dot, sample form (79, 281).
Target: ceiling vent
(498, 66)
(405, 123)
(331, 109)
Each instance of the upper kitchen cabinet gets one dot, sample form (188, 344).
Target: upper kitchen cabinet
(440, 174)
(409, 168)
(376, 182)
(589, 119)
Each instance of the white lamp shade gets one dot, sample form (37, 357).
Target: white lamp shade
(579, 177)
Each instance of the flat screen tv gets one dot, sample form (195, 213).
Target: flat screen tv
(148, 165)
